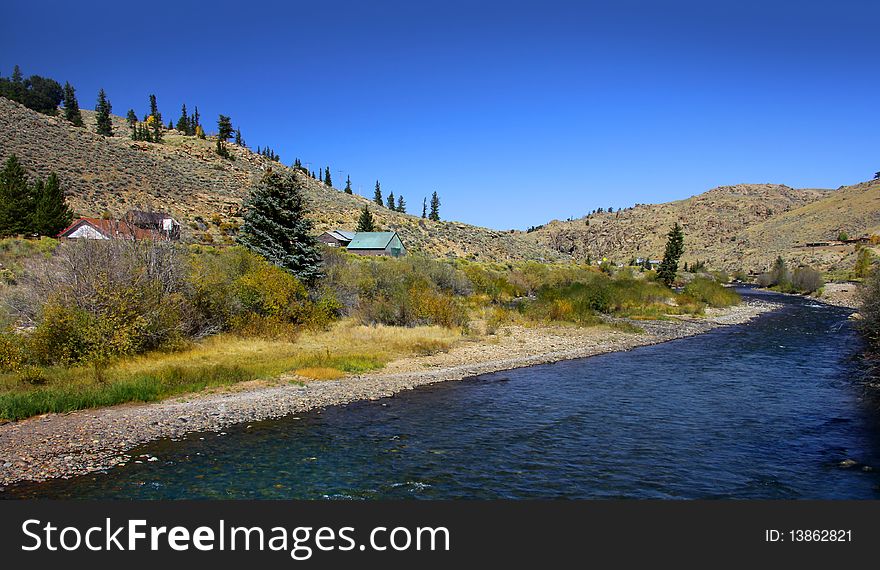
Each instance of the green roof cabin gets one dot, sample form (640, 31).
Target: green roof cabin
(377, 243)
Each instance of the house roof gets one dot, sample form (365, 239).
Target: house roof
(342, 235)
(111, 228)
(371, 240)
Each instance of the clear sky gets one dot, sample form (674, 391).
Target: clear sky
(514, 112)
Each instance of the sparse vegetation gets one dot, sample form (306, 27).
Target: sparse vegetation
(804, 279)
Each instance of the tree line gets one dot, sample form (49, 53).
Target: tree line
(45, 95)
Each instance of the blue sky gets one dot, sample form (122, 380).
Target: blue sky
(515, 113)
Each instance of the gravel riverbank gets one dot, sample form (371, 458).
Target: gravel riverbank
(65, 445)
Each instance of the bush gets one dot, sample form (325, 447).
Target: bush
(806, 280)
(12, 354)
(710, 292)
(869, 309)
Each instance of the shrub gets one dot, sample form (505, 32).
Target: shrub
(806, 280)
(869, 309)
(710, 292)
(864, 261)
(12, 354)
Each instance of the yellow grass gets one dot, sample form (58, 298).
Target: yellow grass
(346, 348)
(320, 373)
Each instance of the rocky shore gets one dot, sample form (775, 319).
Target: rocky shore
(65, 445)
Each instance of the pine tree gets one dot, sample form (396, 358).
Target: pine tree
(170, 125)
(377, 196)
(276, 227)
(674, 248)
(195, 125)
(154, 120)
(390, 203)
(154, 109)
(52, 214)
(102, 115)
(132, 119)
(401, 204)
(16, 199)
(348, 185)
(224, 128)
(435, 208)
(365, 221)
(71, 106)
(327, 180)
(238, 140)
(183, 124)
(424, 208)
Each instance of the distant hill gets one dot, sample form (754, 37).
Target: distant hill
(185, 177)
(731, 227)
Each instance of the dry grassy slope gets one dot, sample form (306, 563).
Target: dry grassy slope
(716, 225)
(186, 178)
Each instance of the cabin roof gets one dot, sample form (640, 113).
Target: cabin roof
(342, 235)
(371, 240)
(109, 228)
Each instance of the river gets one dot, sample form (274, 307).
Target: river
(766, 410)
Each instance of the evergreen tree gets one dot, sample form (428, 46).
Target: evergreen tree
(16, 199)
(238, 140)
(52, 214)
(424, 207)
(154, 109)
(170, 125)
(195, 126)
(183, 124)
(154, 120)
(348, 185)
(224, 128)
(276, 227)
(674, 248)
(71, 106)
(132, 119)
(390, 203)
(102, 115)
(377, 196)
(224, 131)
(401, 204)
(435, 208)
(365, 221)
(327, 180)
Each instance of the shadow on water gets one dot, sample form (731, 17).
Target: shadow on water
(765, 410)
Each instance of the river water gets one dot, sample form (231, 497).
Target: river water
(764, 410)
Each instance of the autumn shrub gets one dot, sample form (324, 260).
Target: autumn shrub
(711, 292)
(806, 280)
(869, 308)
(12, 354)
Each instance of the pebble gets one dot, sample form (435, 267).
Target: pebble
(96, 440)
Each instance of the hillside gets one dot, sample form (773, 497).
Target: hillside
(184, 176)
(731, 227)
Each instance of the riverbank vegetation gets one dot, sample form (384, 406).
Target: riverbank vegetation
(88, 323)
(95, 323)
(803, 279)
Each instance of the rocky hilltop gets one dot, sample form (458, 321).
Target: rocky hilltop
(745, 226)
(185, 177)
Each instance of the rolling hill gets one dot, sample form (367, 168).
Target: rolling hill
(185, 177)
(745, 226)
